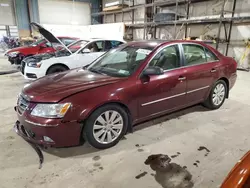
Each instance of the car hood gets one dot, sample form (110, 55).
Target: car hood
(20, 49)
(55, 87)
(48, 35)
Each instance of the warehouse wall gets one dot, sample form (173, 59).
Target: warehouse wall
(240, 32)
(22, 17)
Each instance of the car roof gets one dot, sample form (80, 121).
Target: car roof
(157, 42)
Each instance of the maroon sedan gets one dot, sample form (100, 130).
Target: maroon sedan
(130, 84)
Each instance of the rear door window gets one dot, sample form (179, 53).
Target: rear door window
(194, 54)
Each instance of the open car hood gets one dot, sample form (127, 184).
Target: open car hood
(48, 35)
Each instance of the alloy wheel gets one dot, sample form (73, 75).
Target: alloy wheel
(108, 127)
(219, 94)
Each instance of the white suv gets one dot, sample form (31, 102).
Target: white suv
(78, 54)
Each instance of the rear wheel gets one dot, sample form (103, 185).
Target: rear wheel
(217, 95)
(106, 126)
(57, 68)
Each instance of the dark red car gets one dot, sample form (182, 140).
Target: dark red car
(130, 84)
(15, 55)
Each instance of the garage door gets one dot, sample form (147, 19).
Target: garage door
(7, 13)
(64, 12)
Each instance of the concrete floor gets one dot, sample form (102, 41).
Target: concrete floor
(225, 132)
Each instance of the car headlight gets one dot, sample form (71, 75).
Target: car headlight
(13, 54)
(50, 110)
(34, 64)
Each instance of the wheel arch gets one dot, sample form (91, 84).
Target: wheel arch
(227, 82)
(56, 64)
(119, 103)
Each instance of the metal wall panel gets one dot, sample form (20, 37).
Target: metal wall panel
(7, 16)
(63, 12)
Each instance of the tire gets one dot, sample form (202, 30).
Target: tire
(91, 135)
(211, 102)
(56, 68)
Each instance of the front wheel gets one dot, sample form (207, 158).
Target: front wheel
(217, 95)
(56, 69)
(106, 126)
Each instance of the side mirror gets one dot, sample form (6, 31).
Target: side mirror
(153, 71)
(86, 50)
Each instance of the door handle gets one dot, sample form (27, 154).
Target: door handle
(213, 70)
(181, 78)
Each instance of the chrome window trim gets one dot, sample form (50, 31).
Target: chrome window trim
(173, 96)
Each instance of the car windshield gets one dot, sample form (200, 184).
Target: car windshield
(38, 42)
(120, 62)
(77, 45)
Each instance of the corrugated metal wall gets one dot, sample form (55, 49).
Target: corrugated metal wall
(27, 11)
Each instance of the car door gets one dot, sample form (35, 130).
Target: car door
(164, 92)
(202, 68)
(89, 53)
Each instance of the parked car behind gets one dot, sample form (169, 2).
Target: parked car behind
(16, 55)
(45, 45)
(37, 67)
(78, 54)
(129, 84)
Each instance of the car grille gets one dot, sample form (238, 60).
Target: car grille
(22, 104)
(23, 63)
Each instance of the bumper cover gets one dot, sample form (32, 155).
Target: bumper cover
(34, 129)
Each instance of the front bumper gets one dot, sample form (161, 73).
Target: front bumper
(31, 73)
(14, 60)
(34, 129)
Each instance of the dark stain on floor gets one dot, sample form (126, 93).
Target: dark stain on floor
(197, 161)
(97, 164)
(203, 148)
(101, 168)
(195, 164)
(140, 175)
(96, 158)
(174, 156)
(169, 175)
(140, 150)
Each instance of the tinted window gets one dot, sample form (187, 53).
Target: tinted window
(194, 54)
(167, 59)
(210, 56)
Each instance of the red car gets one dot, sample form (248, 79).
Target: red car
(15, 55)
(130, 84)
(239, 176)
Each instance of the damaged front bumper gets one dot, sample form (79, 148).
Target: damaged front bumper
(28, 135)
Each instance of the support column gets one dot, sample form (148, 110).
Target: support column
(22, 17)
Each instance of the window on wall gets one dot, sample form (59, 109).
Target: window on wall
(194, 54)
(167, 59)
